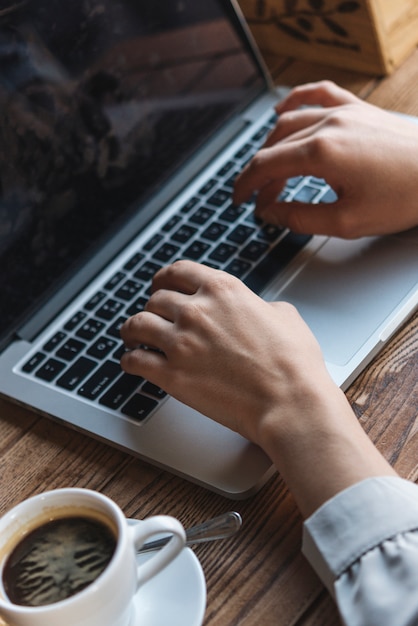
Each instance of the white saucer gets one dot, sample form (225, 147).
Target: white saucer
(175, 596)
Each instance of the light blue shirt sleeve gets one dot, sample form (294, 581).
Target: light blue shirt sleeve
(363, 543)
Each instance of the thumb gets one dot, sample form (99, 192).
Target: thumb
(307, 219)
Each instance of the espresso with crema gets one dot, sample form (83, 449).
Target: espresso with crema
(57, 559)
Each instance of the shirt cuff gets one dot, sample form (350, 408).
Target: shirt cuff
(357, 520)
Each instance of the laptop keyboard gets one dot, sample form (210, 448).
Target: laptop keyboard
(82, 357)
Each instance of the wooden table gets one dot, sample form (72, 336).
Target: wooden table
(260, 576)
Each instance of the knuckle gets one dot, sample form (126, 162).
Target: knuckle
(127, 327)
(326, 86)
(171, 270)
(319, 148)
(222, 286)
(285, 118)
(288, 308)
(128, 361)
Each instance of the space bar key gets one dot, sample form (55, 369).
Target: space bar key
(276, 260)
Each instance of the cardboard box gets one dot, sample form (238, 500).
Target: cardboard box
(370, 36)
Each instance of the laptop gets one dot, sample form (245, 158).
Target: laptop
(123, 127)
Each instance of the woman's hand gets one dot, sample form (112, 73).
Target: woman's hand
(256, 368)
(367, 155)
(221, 349)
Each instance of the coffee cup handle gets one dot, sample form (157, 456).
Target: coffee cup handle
(158, 524)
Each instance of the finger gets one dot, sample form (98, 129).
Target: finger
(308, 219)
(146, 363)
(166, 303)
(146, 329)
(268, 195)
(292, 122)
(324, 93)
(183, 276)
(280, 161)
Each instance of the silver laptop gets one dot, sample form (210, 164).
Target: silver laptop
(123, 127)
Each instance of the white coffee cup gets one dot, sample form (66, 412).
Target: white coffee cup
(108, 600)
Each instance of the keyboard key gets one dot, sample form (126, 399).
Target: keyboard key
(278, 257)
(241, 233)
(223, 252)
(190, 204)
(137, 306)
(71, 349)
(90, 329)
(166, 252)
(329, 196)
(100, 380)
(202, 215)
(254, 250)
(232, 213)
(294, 181)
(134, 261)
(261, 134)
(171, 223)
(270, 232)
(76, 319)
(306, 194)
(109, 310)
(95, 300)
(114, 281)
(226, 169)
(245, 152)
(114, 329)
(253, 220)
(102, 347)
(54, 341)
(196, 250)
(74, 376)
(207, 187)
(184, 233)
(50, 370)
(120, 391)
(238, 268)
(214, 231)
(35, 360)
(230, 183)
(219, 198)
(151, 243)
(129, 290)
(146, 271)
(119, 352)
(139, 407)
(153, 390)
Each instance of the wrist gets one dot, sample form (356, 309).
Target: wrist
(305, 413)
(321, 448)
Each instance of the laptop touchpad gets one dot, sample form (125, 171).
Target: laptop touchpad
(349, 288)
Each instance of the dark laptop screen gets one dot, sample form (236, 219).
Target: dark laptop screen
(101, 101)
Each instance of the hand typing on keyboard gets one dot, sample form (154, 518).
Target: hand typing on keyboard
(255, 367)
(367, 155)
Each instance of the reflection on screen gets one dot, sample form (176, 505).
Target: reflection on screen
(101, 101)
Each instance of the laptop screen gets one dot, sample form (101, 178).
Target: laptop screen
(102, 101)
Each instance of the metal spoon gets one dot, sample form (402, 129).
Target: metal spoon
(219, 527)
